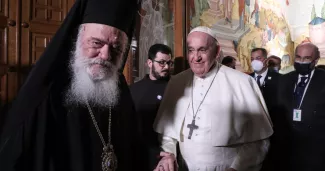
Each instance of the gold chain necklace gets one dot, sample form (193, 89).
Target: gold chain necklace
(109, 159)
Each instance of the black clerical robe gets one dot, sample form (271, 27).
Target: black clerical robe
(55, 137)
(147, 95)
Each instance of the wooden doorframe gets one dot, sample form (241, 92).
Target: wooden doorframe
(11, 25)
(179, 29)
(181, 18)
(128, 68)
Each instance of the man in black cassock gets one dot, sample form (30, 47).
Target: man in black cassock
(75, 111)
(147, 95)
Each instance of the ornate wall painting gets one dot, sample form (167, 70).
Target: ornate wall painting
(277, 25)
(317, 31)
(227, 18)
(242, 25)
(306, 23)
(156, 27)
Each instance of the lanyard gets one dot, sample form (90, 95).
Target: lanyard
(307, 84)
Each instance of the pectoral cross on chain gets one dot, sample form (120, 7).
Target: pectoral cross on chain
(192, 126)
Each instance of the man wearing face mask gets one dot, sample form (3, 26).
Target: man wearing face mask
(147, 95)
(299, 123)
(266, 78)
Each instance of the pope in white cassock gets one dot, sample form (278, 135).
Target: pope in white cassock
(217, 114)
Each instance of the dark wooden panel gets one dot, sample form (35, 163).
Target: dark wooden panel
(44, 18)
(41, 2)
(1, 7)
(46, 11)
(3, 51)
(39, 43)
(56, 3)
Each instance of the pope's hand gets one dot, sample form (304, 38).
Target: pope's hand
(167, 162)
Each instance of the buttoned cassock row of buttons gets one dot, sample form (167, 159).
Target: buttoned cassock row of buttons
(201, 120)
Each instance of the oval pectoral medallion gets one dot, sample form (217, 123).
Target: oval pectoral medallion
(109, 160)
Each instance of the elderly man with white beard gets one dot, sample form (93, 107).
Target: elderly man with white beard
(75, 111)
(216, 114)
(95, 70)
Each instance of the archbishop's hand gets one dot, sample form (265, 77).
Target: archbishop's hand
(167, 162)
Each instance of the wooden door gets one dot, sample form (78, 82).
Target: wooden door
(40, 20)
(8, 48)
(26, 28)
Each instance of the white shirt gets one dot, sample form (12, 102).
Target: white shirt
(311, 75)
(262, 78)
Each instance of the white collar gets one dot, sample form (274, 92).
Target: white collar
(263, 74)
(210, 74)
(311, 74)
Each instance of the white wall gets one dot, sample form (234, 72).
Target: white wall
(298, 15)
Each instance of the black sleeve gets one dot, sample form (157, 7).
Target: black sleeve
(22, 146)
(11, 151)
(132, 130)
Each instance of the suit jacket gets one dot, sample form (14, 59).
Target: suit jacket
(269, 89)
(300, 144)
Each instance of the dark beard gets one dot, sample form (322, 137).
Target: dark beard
(157, 76)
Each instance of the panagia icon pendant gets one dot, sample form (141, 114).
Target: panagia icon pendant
(109, 159)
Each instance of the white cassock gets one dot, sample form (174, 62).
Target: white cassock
(233, 125)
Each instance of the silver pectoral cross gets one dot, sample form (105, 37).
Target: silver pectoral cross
(192, 126)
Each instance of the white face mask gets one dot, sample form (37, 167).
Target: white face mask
(257, 65)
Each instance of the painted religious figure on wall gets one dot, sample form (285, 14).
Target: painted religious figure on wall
(227, 9)
(241, 12)
(197, 7)
(157, 26)
(256, 13)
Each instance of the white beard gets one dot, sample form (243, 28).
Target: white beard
(98, 87)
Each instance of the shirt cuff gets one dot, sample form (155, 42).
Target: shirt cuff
(168, 144)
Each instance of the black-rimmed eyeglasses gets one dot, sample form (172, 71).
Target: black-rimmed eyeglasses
(163, 63)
